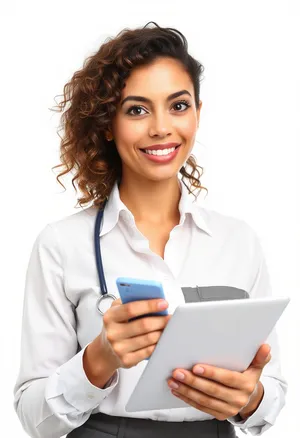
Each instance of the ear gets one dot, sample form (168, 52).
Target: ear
(108, 134)
(198, 112)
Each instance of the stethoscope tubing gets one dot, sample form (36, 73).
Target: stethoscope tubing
(99, 263)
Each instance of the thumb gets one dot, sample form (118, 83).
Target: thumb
(116, 302)
(262, 357)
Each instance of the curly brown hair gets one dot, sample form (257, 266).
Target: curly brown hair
(93, 94)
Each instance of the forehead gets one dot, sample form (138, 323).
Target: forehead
(163, 76)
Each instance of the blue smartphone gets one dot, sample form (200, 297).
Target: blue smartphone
(134, 289)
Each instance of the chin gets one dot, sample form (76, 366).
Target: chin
(160, 176)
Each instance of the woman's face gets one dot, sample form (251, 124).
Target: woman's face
(140, 124)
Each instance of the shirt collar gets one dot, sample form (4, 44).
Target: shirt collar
(187, 205)
(115, 206)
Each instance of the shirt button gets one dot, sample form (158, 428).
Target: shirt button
(90, 396)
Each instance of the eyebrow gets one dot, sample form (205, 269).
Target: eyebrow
(145, 99)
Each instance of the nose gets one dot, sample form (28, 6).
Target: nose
(160, 126)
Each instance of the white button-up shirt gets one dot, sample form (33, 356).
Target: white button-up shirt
(52, 394)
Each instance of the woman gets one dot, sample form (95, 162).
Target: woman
(129, 131)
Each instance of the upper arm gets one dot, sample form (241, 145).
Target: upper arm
(48, 336)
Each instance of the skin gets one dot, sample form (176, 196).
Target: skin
(146, 185)
(220, 392)
(151, 192)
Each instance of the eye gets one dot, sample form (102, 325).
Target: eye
(133, 108)
(138, 107)
(182, 102)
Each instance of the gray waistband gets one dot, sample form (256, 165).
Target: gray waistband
(106, 426)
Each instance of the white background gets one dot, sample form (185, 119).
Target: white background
(248, 139)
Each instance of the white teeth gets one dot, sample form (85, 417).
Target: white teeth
(160, 151)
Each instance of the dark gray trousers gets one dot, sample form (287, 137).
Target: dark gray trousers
(107, 426)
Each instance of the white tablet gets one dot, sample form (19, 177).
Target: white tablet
(225, 334)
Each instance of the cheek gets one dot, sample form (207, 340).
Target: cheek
(187, 128)
(128, 133)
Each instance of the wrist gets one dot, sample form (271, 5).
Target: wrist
(98, 364)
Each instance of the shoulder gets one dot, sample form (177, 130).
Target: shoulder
(240, 243)
(76, 221)
(234, 232)
(221, 223)
(70, 228)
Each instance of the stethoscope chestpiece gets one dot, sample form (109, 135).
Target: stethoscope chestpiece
(104, 302)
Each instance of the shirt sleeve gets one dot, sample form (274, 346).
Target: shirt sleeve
(52, 394)
(275, 386)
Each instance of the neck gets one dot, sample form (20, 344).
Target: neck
(152, 201)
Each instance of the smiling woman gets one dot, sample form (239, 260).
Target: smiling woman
(129, 131)
(140, 87)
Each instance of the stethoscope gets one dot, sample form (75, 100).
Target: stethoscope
(105, 296)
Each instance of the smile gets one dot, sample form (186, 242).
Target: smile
(160, 151)
(161, 155)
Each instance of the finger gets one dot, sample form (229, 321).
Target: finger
(255, 369)
(232, 379)
(209, 387)
(133, 358)
(138, 327)
(116, 302)
(201, 399)
(137, 343)
(262, 356)
(216, 414)
(124, 312)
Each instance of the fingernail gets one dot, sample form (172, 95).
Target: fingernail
(173, 385)
(179, 375)
(269, 346)
(162, 304)
(198, 370)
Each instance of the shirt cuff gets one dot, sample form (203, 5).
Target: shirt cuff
(76, 387)
(262, 419)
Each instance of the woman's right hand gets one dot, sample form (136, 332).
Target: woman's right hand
(130, 342)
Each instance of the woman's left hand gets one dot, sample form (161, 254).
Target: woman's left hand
(221, 392)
